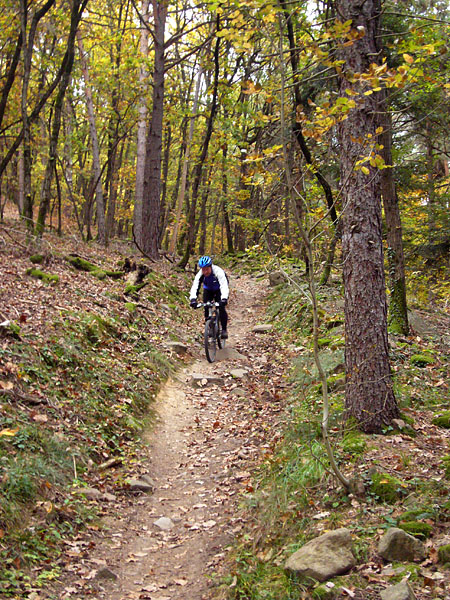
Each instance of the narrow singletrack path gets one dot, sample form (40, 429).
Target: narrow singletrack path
(168, 545)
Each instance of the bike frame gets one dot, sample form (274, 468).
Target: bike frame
(211, 341)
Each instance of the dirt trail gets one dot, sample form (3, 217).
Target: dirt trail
(198, 457)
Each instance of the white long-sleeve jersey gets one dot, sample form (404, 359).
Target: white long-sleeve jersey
(219, 275)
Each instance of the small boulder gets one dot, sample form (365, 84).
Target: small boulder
(164, 523)
(199, 380)
(106, 573)
(324, 557)
(265, 328)
(239, 373)
(177, 347)
(89, 493)
(401, 591)
(238, 391)
(398, 545)
(140, 485)
(230, 354)
(277, 278)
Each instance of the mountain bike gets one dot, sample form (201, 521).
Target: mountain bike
(213, 330)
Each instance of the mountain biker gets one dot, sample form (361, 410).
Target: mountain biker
(215, 288)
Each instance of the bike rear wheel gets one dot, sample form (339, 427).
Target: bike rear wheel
(210, 340)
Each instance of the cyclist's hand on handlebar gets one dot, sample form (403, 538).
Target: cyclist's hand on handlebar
(223, 302)
(193, 303)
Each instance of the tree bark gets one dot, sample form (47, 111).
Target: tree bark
(165, 171)
(200, 163)
(27, 51)
(152, 180)
(182, 189)
(398, 310)
(10, 74)
(202, 220)
(226, 216)
(369, 394)
(77, 10)
(96, 166)
(293, 54)
(142, 126)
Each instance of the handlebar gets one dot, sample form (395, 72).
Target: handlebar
(207, 304)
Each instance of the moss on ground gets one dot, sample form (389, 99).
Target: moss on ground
(45, 277)
(442, 420)
(387, 488)
(417, 528)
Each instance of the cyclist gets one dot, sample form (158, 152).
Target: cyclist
(215, 288)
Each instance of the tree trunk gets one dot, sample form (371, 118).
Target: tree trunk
(27, 51)
(21, 183)
(297, 128)
(369, 395)
(165, 171)
(96, 167)
(226, 216)
(430, 181)
(182, 190)
(142, 126)
(398, 310)
(76, 13)
(10, 73)
(152, 179)
(26, 143)
(202, 220)
(199, 166)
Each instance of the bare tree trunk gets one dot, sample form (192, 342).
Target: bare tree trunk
(217, 207)
(152, 181)
(369, 394)
(77, 10)
(164, 205)
(202, 220)
(298, 132)
(182, 190)
(97, 170)
(430, 181)
(21, 182)
(226, 216)
(27, 51)
(204, 153)
(142, 125)
(398, 310)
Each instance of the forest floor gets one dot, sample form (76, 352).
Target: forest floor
(203, 451)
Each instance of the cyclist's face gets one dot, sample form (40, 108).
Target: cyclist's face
(206, 271)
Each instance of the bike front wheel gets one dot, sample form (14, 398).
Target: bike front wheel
(210, 340)
(220, 340)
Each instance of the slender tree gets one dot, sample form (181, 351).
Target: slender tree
(77, 9)
(28, 37)
(142, 122)
(151, 207)
(96, 165)
(398, 310)
(198, 170)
